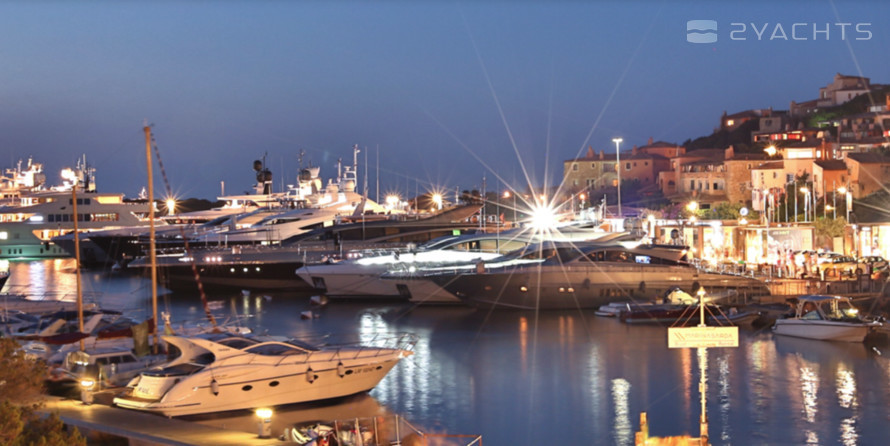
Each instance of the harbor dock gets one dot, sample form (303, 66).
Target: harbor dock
(145, 429)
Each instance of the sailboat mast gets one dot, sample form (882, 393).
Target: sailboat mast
(77, 264)
(151, 239)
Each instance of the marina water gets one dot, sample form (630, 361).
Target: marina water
(554, 377)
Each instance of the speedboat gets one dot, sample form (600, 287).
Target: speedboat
(584, 275)
(245, 373)
(826, 318)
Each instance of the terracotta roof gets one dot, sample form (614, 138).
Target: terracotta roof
(747, 157)
(869, 158)
(647, 156)
(832, 164)
(660, 144)
(771, 165)
(596, 157)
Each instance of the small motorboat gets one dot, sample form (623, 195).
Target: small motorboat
(826, 318)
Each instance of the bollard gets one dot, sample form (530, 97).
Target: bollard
(264, 425)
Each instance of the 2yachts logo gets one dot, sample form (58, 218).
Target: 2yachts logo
(705, 31)
(701, 31)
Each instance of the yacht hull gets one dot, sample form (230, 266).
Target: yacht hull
(268, 276)
(822, 330)
(554, 287)
(242, 387)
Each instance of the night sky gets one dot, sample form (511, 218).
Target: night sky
(448, 91)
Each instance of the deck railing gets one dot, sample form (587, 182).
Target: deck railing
(391, 430)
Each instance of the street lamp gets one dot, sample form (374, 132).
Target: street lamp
(617, 142)
(848, 202)
(507, 194)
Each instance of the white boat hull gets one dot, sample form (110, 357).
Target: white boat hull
(241, 386)
(822, 330)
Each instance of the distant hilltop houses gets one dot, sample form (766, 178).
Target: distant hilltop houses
(836, 142)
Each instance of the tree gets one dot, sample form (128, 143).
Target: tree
(21, 382)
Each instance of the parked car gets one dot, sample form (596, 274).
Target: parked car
(874, 264)
(839, 265)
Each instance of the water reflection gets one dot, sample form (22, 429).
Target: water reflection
(846, 393)
(520, 378)
(623, 430)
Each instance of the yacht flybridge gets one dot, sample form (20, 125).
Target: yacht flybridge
(236, 373)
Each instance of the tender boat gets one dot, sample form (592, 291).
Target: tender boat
(826, 318)
(243, 373)
(584, 275)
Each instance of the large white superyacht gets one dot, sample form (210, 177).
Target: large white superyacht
(27, 229)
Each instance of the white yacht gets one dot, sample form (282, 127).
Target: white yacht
(826, 318)
(360, 276)
(27, 229)
(583, 275)
(244, 373)
(19, 181)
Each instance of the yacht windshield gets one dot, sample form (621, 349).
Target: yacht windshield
(275, 349)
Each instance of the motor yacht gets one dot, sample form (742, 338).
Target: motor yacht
(826, 318)
(360, 276)
(244, 373)
(584, 275)
(27, 229)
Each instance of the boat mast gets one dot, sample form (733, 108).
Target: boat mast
(77, 265)
(151, 239)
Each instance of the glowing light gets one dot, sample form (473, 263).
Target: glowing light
(437, 199)
(842, 190)
(171, 206)
(771, 150)
(692, 206)
(87, 383)
(543, 218)
(507, 194)
(392, 201)
(264, 413)
(804, 190)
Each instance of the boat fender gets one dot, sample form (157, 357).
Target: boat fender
(214, 387)
(310, 375)
(341, 370)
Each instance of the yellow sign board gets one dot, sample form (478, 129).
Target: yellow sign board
(694, 337)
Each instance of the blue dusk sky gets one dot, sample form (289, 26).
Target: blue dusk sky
(448, 91)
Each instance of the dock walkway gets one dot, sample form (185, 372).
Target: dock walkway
(148, 429)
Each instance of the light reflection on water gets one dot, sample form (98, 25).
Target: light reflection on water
(520, 378)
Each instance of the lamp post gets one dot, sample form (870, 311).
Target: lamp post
(848, 200)
(834, 200)
(617, 142)
(507, 194)
(806, 203)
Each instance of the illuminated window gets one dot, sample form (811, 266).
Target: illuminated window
(4, 235)
(109, 216)
(729, 122)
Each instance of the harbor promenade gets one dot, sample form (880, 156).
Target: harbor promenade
(144, 429)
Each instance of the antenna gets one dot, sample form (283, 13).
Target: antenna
(366, 173)
(377, 176)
